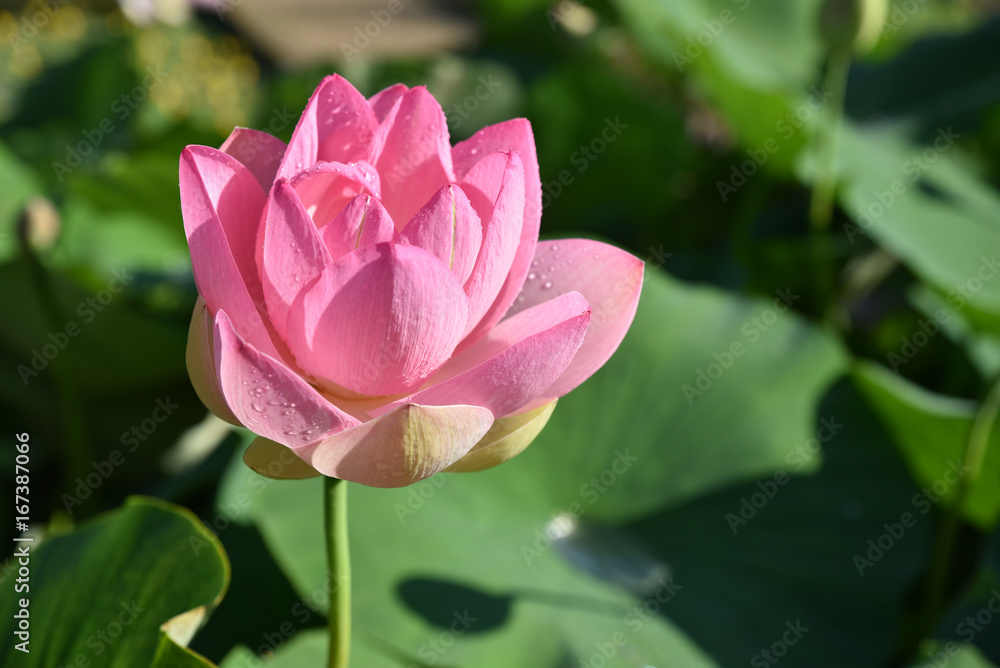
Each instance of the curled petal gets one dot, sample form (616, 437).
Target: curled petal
(327, 187)
(611, 281)
(221, 203)
(448, 227)
(363, 222)
(507, 438)
(401, 447)
(512, 366)
(379, 320)
(268, 398)
(292, 252)
(200, 357)
(259, 152)
(513, 135)
(415, 159)
(276, 461)
(502, 215)
(338, 125)
(383, 102)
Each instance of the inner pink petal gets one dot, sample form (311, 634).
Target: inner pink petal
(379, 320)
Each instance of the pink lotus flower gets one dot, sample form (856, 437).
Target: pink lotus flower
(377, 301)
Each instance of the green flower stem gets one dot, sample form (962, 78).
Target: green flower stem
(338, 555)
(828, 136)
(825, 182)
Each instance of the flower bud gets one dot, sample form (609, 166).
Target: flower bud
(852, 25)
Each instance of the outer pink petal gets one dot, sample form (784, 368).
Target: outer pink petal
(200, 357)
(267, 397)
(449, 228)
(364, 221)
(327, 187)
(416, 158)
(259, 152)
(292, 252)
(514, 364)
(495, 187)
(515, 135)
(608, 277)
(338, 125)
(221, 203)
(379, 320)
(401, 447)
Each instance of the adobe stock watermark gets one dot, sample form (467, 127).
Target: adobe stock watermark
(752, 330)
(922, 502)
(562, 12)
(121, 108)
(967, 630)
(582, 158)
(912, 169)
(958, 297)
(785, 127)
(562, 524)
(30, 25)
(102, 638)
(303, 610)
(901, 13)
(459, 112)
(432, 650)
(419, 494)
(102, 470)
(365, 34)
(636, 619)
(88, 311)
(240, 503)
(797, 458)
(794, 631)
(705, 38)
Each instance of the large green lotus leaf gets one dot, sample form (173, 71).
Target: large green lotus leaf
(931, 432)
(929, 208)
(620, 531)
(104, 591)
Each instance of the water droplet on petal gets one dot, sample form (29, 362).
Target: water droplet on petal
(555, 248)
(596, 256)
(536, 263)
(532, 276)
(552, 268)
(548, 284)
